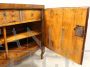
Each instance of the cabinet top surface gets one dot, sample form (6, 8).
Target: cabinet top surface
(20, 6)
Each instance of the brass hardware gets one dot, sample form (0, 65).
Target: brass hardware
(79, 30)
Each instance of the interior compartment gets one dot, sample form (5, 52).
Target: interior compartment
(20, 26)
(20, 49)
(20, 31)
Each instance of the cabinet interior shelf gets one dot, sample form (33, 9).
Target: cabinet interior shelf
(15, 23)
(17, 53)
(19, 36)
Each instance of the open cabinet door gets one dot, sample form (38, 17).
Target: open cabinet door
(65, 31)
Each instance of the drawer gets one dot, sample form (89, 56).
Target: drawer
(12, 15)
(30, 15)
(2, 18)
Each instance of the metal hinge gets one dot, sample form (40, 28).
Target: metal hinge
(79, 31)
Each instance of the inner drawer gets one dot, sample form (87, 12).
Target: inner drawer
(12, 15)
(31, 15)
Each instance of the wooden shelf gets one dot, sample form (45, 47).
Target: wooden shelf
(15, 23)
(19, 36)
(17, 54)
(4, 63)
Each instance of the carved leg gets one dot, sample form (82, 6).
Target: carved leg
(42, 51)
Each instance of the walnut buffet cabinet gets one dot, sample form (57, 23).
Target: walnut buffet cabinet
(25, 28)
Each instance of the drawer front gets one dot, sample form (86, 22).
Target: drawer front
(30, 15)
(12, 15)
(2, 18)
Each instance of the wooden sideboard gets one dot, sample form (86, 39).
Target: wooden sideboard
(21, 31)
(26, 28)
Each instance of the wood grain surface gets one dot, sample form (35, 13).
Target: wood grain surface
(20, 6)
(60, 34)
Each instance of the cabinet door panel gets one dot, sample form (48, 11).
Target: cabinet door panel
(65, 31)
